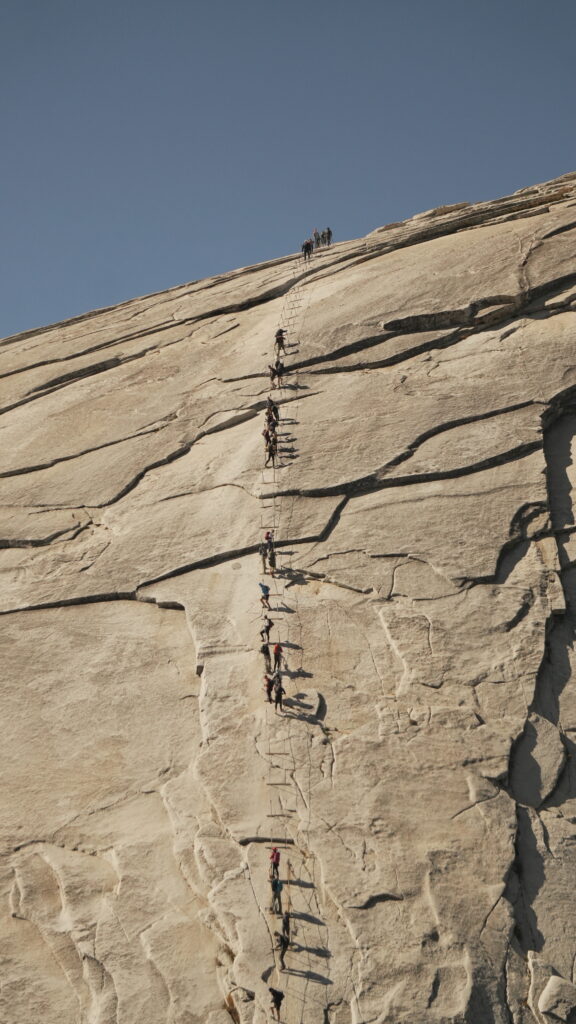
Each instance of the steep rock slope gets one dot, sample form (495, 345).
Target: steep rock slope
(420, 782)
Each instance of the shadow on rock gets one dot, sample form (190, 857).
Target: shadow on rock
(301, 915)
(311, 975)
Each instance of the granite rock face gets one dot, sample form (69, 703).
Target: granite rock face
(420, 782)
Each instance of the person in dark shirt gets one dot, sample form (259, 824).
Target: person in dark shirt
(265, 650)
(279, 692)
(277, 998)
(282, 944)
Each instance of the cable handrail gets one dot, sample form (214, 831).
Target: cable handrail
(277, 513)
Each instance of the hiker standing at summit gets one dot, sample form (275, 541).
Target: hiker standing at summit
(307, 249)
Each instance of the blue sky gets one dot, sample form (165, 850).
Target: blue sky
(150, 142)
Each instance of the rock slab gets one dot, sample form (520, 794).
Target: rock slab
(419, 781)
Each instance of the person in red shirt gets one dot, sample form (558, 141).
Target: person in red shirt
(278, 652)
(274, 862)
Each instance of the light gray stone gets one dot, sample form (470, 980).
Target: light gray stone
(558, 998)
(420, 782)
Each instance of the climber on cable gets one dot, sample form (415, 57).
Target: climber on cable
(265, 631)
(280, 341)
(272, 412)
(269, 431)
(278, 652)
(277, 998)
(276, 885)
(274, 862)
(279, 692)
(264, 650)
(282, 944)
(272, 560)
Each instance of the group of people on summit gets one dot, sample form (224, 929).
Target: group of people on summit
(316, 240)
